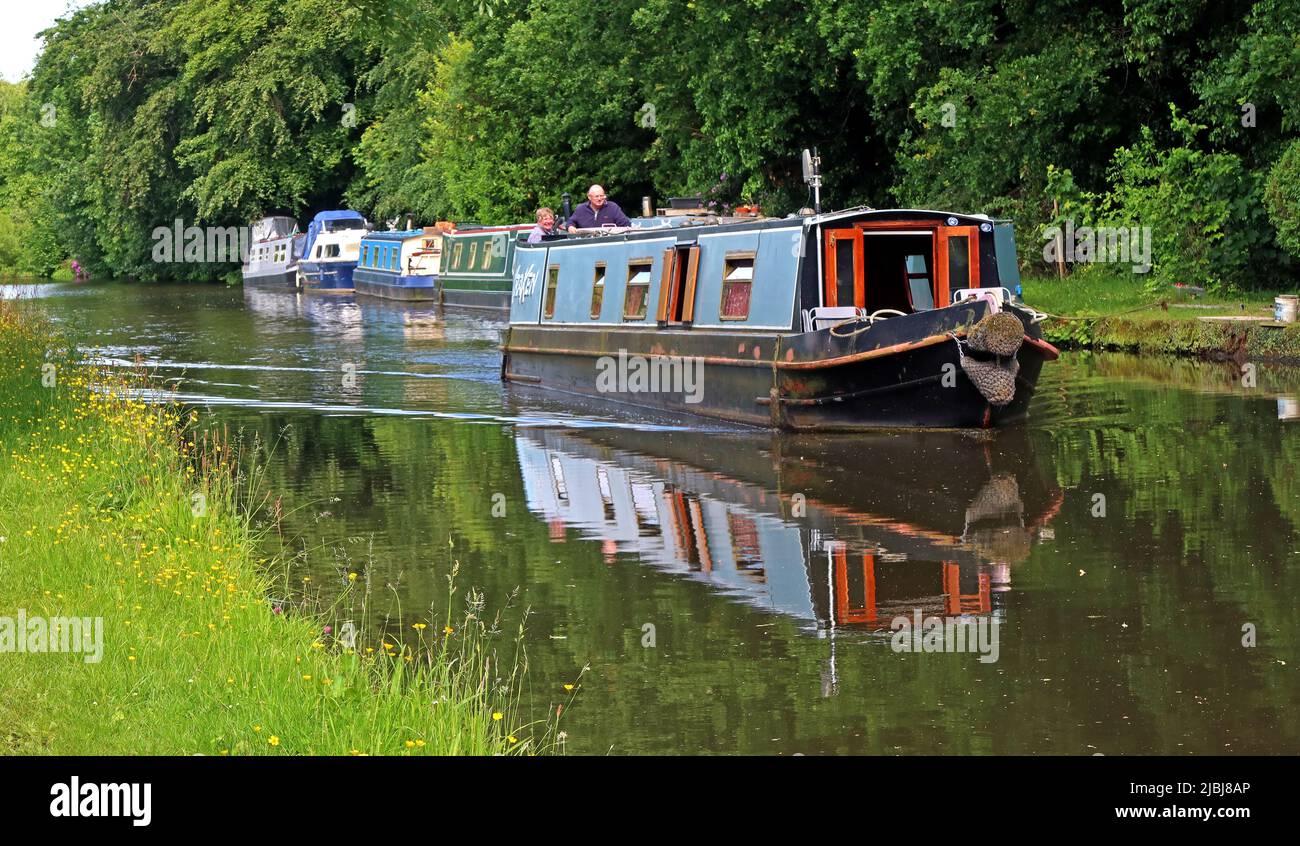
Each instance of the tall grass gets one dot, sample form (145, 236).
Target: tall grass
(110, 507)
(1100, 290)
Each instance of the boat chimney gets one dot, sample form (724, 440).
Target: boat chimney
(566, 205)
(647, 208)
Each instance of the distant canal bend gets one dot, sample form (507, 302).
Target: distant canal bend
(736, 591)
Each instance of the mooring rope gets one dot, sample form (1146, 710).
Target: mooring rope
(869, 320)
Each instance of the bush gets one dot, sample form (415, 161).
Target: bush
(1203, 208)
(1282, 198)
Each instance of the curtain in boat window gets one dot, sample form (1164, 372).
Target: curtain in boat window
(737, 282)
(638, 288)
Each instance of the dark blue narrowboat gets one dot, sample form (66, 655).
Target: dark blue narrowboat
(400, 265)
(851, 320)
(330, 252)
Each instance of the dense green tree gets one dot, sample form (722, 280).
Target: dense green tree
(217, 112)
(27, 244)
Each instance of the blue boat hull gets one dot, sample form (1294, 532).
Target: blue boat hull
(395, 286)
(327, 277)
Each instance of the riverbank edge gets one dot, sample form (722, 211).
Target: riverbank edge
(106, 515)
(1239, 341)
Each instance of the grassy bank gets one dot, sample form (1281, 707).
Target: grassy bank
(106, 511)
(1104, 310)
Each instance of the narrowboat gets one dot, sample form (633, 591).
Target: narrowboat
(476, 266)
(769, 521)
(273, 253)
(843, 321)
(400, 265)
(330, 252)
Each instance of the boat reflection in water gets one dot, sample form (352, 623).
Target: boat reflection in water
(336, 319)
(935, 522)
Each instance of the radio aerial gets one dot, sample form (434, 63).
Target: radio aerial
(812, 176)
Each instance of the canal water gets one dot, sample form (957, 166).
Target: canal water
(1127, 562)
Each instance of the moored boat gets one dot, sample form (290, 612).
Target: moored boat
(852, 320)
(401, 265)
(330, 251)
(273, 253)
(476, 266)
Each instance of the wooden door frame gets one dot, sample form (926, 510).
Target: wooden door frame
(844, 612)
(972, 234)
(677, 285)
(830, 290)
(939, 232)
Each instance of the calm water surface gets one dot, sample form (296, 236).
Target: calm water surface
(732, 590)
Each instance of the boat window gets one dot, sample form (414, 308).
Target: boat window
(365, 254)
(737, 281)
(473, 256)
(958, 262)
(331, 251)
(392, 258)
(455, 255)
(638, 289)
(606, 493)
(845, 278)
(918, 283)
(487, 257)
(598, 290)
(552, 286)
(557, 477)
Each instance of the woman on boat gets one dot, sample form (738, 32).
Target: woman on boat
(545, 225)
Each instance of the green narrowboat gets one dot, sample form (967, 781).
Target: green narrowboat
(477, 262)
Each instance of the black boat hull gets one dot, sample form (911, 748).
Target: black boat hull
(903, 372)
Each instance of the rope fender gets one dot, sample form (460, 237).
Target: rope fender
(988, 356)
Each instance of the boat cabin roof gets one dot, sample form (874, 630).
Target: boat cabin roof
(758, 273)
(403, 234)
(475, 229)
(687, 225)
(274, 227)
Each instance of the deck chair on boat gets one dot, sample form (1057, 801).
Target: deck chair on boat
(825, 317)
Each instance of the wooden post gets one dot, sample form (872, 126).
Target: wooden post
(1060, 242)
